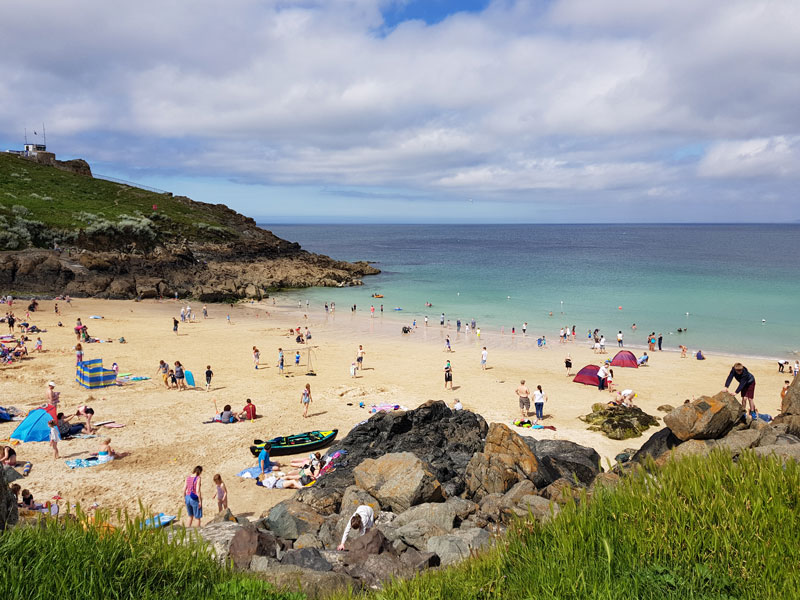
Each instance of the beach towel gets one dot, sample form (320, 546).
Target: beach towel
(95, 317)
(386, 408)
(159, 520)
(82, 436)
(92, 461)
(113, 425)
(250, 473)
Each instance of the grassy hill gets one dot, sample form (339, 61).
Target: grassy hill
(55, 205)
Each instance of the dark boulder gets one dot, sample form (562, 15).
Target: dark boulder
(563, 459)
(443, 439)
(660, 442)
(306, 558)
(619, 422)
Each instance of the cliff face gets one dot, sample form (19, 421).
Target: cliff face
(115, 241)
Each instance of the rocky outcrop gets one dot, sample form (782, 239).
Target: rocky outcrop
(443, 439)
(619, 422)
(232, 542)
(706, 418)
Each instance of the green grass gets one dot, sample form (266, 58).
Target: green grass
(65, 560)
(700, 528)
(61, 200)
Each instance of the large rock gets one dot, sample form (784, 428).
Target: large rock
(449, 548)
(444, 439)
(441, 514)
(475, 537)
(306, 558)
(537, 507)
(321, 501)
(505, 460)
(417, 533)
(291, 519)
(377, 569)
(419, 561)
(619, 422)
(562, 458)
(784, 452)
(737, 441)
(659, 443)
(232, 542)
(354, 497)
(9, 515)
(399, 481)
(790, 405)
(312, 584)
(463, 507)
(707, 418)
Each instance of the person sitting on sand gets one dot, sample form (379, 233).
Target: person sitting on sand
(226, 416)
(248, 411)
(9, 456)
(699, 355)
(362, 520)
(106, 452)
(643, 360)
(264, 462)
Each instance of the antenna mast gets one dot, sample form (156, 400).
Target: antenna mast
(44, 133)
(26, 136)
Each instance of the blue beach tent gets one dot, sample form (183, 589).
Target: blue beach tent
(91, 374)
(34, 428)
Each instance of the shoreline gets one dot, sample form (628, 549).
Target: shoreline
(164, 429)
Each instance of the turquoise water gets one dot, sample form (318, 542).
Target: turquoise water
(728, 278)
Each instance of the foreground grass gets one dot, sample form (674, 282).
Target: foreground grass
(66, 559)
(700, 528)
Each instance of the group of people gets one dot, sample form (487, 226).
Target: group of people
(524, 395)
(175, 378)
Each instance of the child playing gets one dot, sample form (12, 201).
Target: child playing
(209, 375)
(256, 356)
(38, 347)
(221, 493)
(55, 437)
(297, 358)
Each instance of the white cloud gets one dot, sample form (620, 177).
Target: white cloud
(573, 95)
(762, 157)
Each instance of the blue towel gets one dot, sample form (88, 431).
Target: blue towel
(82, 463)
(250, 473)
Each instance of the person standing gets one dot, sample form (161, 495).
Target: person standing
(568, 364)
(448, 375)
(305, 400)
(280, 361)
(163, 369)
(441, 320)
(78, 354)
(458, 326)
(205, 311)
(447, 344)
(524, 395)
(539, 398)
(360, 357)
(180, 376)
(524, 328)
(55, 437)
(52, 394)
(256, 357)
(193, 496)
(602, 374)
(175, 325)
(619, 339)
(784, 391)
(660, 340)
(372, 311)
(484, 358)
(746, 387)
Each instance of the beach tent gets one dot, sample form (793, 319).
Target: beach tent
(588, 375)
(34, 428)
(91, 374)
(624, 358)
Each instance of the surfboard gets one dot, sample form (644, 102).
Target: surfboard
(189, 378)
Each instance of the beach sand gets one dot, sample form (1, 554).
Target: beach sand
(166, 438)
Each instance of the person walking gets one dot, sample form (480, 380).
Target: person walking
(484, 358)
(256, 357)
(360, 357)
(209, 375)
(619, 338)
(305, 399)
(539, 398)
(193, 496)
(746, 387)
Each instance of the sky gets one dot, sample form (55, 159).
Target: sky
(421, 111)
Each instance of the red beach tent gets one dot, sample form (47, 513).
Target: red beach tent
(588, 375)
(625, 358)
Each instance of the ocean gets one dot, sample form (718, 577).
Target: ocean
(734, 289)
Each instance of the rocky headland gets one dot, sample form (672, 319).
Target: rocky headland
(64, 232)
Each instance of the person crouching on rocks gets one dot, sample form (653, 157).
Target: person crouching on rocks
(363, 520)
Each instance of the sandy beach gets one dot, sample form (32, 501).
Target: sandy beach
(164, 430)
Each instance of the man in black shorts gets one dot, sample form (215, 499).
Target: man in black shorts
(747, 386)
